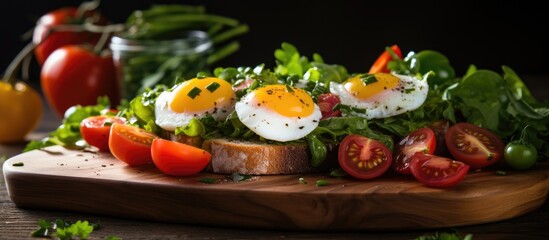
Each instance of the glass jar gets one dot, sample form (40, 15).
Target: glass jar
(142, 64)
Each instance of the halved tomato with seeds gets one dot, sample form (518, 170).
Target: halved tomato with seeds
(422, 140)
(130, 144)
(478, 147)
(363, 158)
(435, 171)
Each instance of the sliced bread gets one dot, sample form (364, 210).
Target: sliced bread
(257, 158)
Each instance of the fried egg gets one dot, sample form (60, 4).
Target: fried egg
(194, 98)
(279, 112)
(381, 95)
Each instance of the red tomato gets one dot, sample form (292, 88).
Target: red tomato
(440, 128)
(95, 130)
(130, 144)
(74, 75)
(380, 65)
(473, 145)
(362, 157)
(435, 171)
(48, 41)
(178, 159)
(422, 140)
(326, 103)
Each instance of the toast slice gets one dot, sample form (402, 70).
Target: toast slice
(258, 158)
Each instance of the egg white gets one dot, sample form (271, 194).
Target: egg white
(409, 94)
(273, 126)
(169, 120)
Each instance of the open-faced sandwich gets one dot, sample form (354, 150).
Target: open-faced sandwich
(410, 115)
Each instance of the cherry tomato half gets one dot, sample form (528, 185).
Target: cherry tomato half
(130, 144)
(380, 65)
(473, 145)
(326, 103)
(435, 171)
(422, 140)
(178, 159)
(95, 130)
(74, 75)
(363, 158)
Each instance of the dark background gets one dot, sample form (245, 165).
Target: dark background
(351, 33)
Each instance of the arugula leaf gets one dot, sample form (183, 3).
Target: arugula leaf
(193, 129)
(68, 133)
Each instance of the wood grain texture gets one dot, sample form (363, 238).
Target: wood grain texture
(97, 183)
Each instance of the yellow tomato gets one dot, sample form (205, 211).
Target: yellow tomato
(20, 111)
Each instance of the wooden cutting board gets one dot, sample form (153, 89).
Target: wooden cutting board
(71, 180)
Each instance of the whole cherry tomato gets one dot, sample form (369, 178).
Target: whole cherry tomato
(75, 75)
(49, 39)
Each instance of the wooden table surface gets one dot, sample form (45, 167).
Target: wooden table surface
(17, 223)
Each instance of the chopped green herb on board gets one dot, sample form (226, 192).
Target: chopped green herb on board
(444, 236)
(18, 164)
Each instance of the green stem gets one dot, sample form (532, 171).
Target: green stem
(230, 33)
(9, 75)
(223, 52)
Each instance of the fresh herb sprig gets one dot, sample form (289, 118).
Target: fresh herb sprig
(68, 133)
(65, 230)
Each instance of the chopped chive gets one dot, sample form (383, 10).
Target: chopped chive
(207, 180)
(409, 90)
(339, 172)
(194, 92)
(236, 177)
(321, 183)
(501, 173)
(368, 78)
(302, 180)
(213, 86)
(18, 164)
(289, 89)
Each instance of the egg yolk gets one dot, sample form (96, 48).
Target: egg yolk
(363, 87)
(285, 100)
(199, 95)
